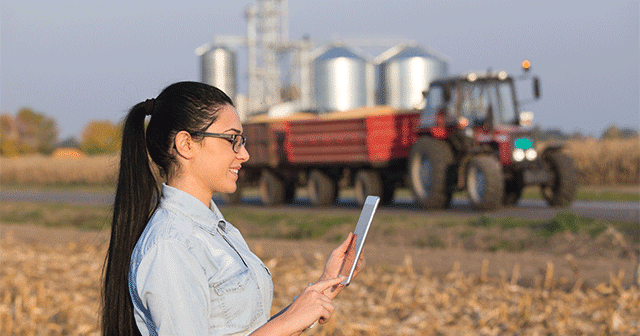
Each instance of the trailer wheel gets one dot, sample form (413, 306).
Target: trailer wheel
(512, 192)
(323, 190)
(272, 188)
(562, 189)
(431, 173)
(368, 182)
(485, 182)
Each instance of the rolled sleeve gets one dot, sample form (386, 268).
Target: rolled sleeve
(173, 288)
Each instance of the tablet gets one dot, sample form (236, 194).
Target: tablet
(362, 228)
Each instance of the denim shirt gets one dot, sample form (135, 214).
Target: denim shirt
(192, 273)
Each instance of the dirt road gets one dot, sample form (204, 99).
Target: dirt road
(619, 211)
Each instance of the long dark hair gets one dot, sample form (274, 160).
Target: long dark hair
(188, 106)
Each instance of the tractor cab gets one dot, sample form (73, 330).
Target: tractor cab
(475, 100)
(473, 136)
(479, 112)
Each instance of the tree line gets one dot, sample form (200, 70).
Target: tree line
(30, 132)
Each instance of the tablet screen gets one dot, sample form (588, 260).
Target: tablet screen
(362, 228)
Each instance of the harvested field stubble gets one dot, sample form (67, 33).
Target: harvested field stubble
(47, 290)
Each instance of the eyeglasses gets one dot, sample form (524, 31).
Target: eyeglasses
(236, 140)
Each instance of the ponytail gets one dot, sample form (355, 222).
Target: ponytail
(136, 198)
(188, 106)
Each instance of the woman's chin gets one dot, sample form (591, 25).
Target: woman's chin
(228, 189)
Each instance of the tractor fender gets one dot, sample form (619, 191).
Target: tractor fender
(551, 148)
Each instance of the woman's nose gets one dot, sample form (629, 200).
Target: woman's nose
(243, 155)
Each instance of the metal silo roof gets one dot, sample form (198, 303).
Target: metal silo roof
(337, 52)
(408, 51)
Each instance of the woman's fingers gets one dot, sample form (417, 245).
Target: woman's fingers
(329, 308)
(345, 244)
(312, 305)
(320, 286)
(337, 255)
(336, 259)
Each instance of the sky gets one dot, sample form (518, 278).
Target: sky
(78, 61)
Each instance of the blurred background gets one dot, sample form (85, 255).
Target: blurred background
(71, 70)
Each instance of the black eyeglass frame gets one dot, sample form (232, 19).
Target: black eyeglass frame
(232, 138)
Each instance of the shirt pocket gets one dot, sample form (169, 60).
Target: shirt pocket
(237, 299)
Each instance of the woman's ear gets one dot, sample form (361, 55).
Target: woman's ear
(184, 144)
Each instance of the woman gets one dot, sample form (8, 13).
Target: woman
(174, 265)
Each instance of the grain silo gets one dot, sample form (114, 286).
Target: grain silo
(219, 69)
(405, 71)
(343, 80)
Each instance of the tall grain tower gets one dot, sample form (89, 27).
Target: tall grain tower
(266, 42)
(267, 38)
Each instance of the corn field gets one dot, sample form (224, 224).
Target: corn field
(54, 290)
(603, 162)
(44, 170)
(606, 161)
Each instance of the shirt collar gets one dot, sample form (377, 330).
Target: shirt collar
(222, 223)
(190, 206)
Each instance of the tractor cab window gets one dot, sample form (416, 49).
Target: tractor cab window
(487, 102)
(475, 102)
(434, 98)
(437, 105)
(504, 110)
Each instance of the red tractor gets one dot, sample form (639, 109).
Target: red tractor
(473, 136)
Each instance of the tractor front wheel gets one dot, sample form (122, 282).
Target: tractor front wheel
(485, 183)
(561, 189)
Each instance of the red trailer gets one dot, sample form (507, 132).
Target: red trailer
(366, 148)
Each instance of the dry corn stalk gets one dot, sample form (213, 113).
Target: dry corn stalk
(54, 290)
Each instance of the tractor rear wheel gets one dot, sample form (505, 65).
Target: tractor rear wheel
(562, 189)
(431, 173)
(368, 182)
(323, 190)
(272, 188)
(485, 182)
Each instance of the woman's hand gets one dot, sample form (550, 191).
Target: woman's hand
(339, 263)
(311, 305)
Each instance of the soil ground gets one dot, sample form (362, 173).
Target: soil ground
(532, 266)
